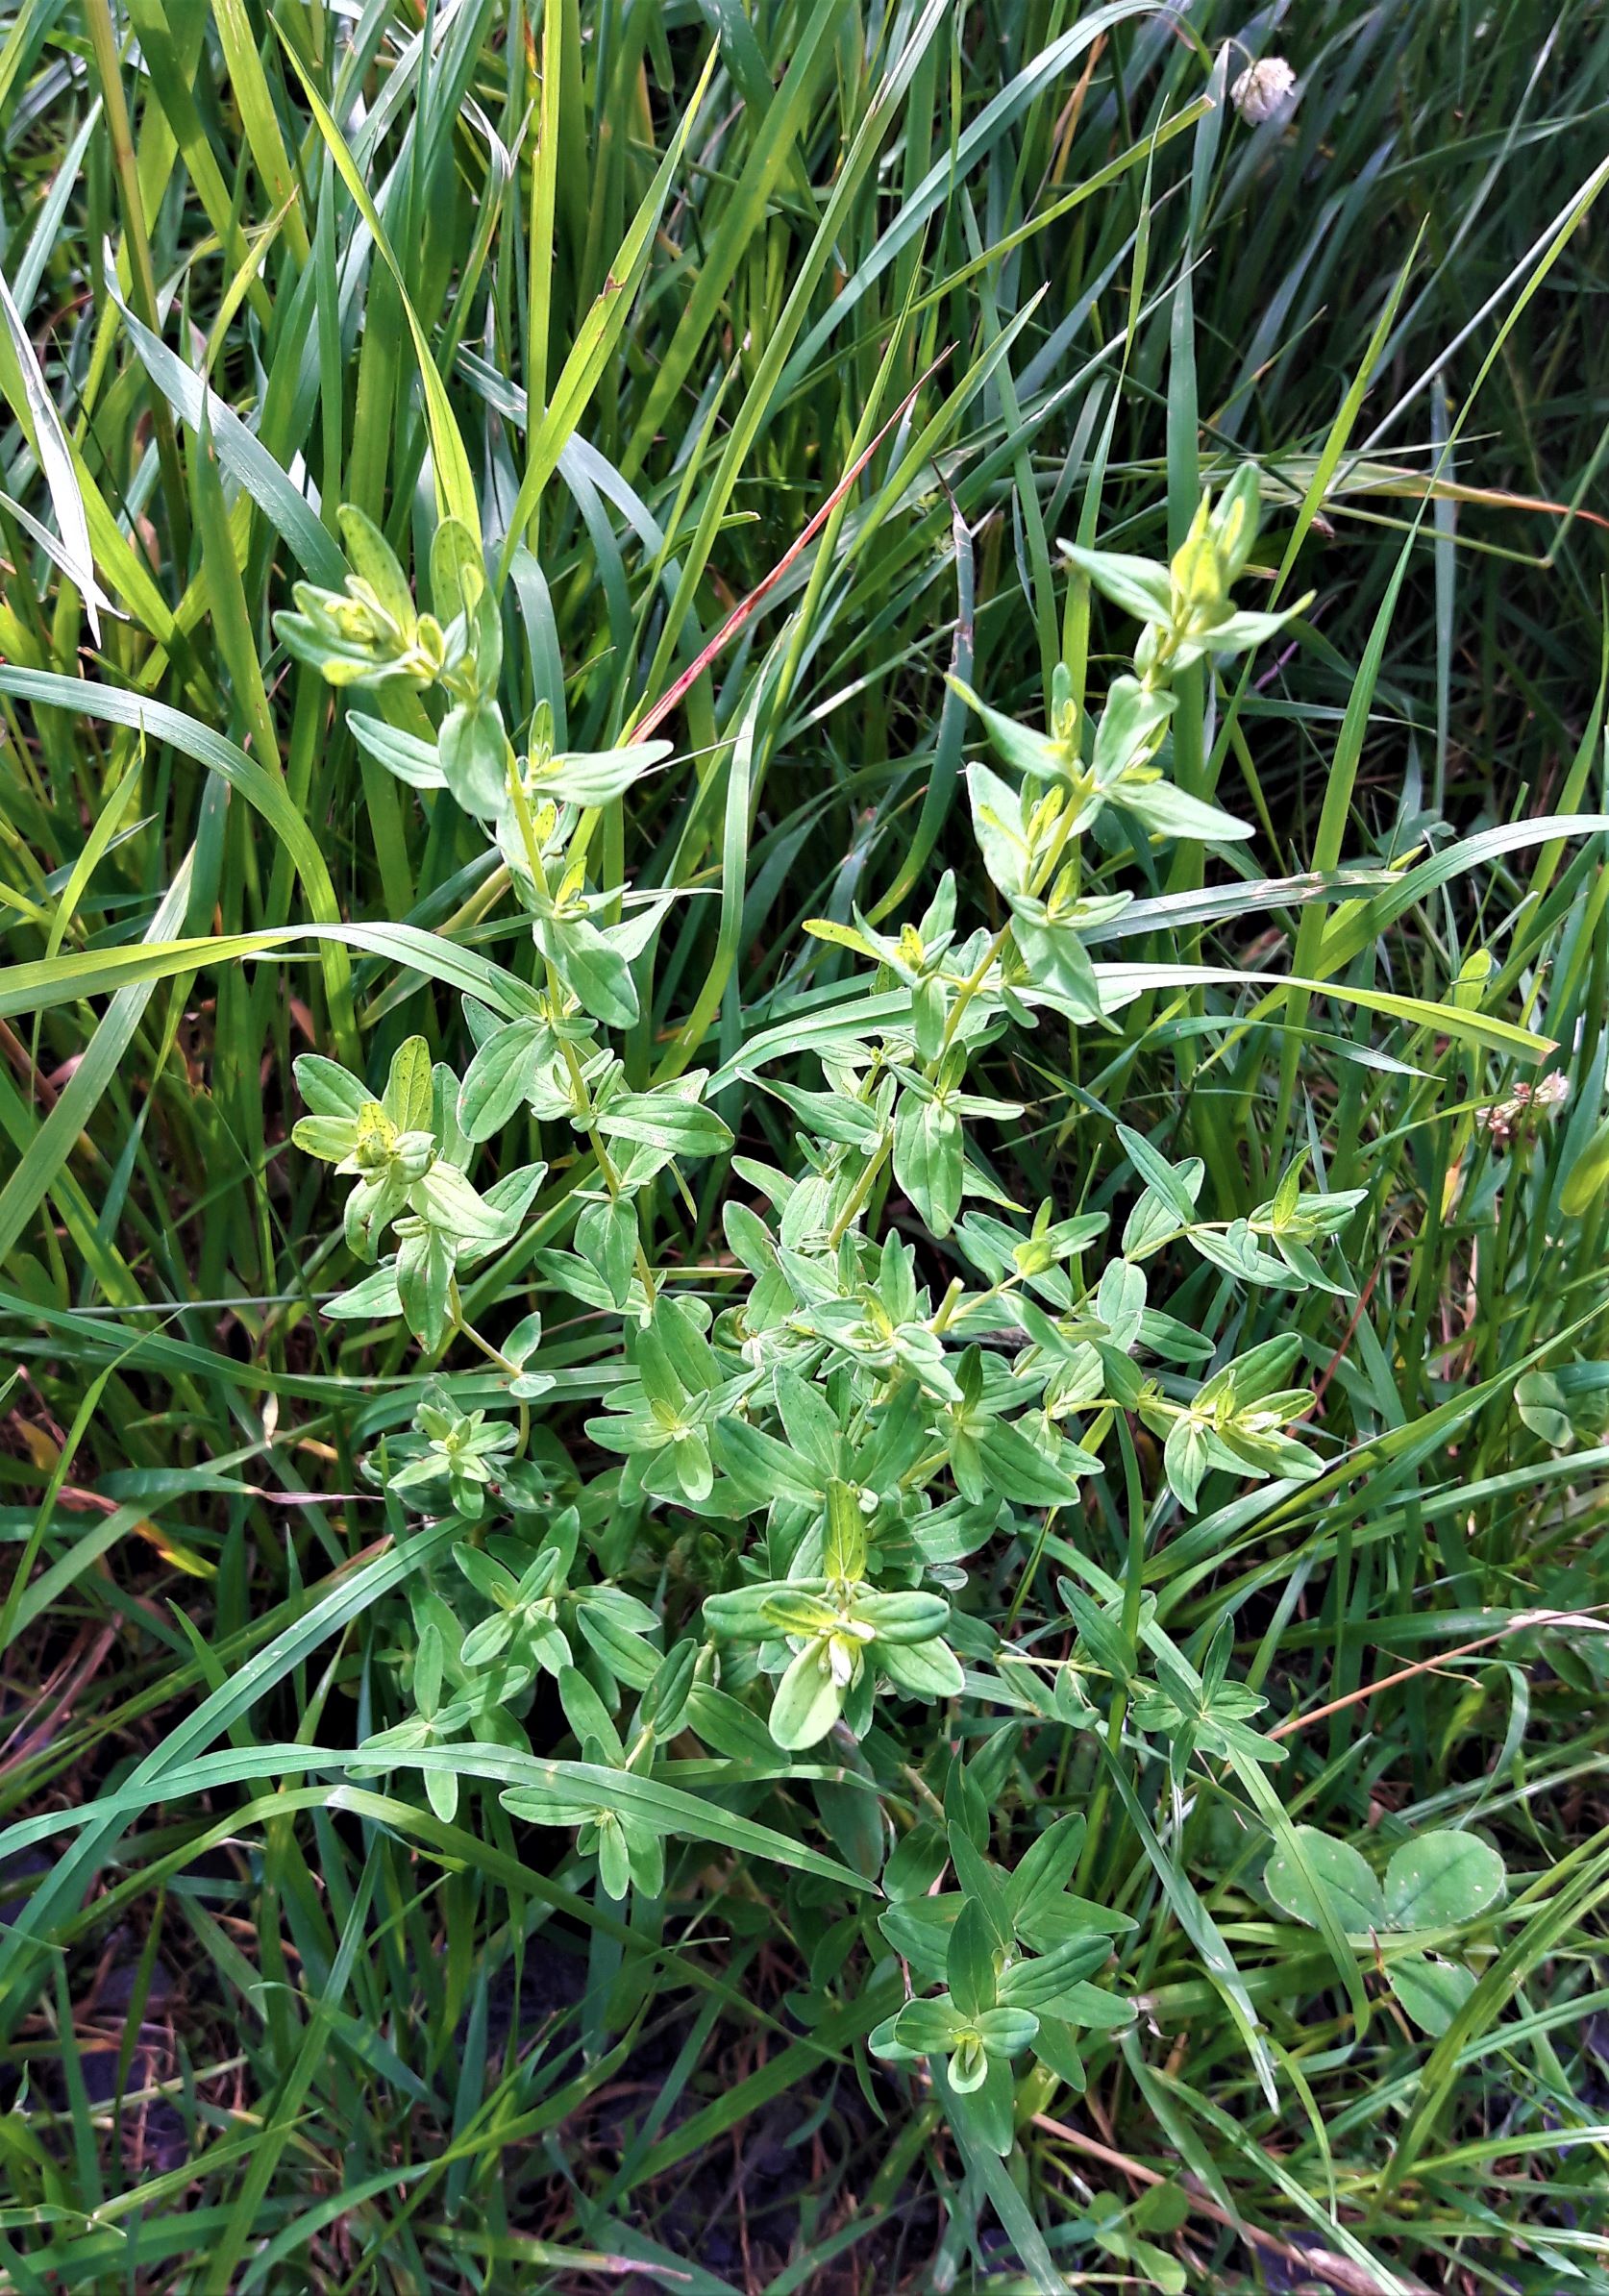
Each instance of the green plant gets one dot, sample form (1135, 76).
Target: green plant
(810, 1456)
(726, 376)
(1439, 1881)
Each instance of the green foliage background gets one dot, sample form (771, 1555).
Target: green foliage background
(267, 2028)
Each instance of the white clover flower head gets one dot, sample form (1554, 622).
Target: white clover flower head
(1264, 90)
(1552, 1091)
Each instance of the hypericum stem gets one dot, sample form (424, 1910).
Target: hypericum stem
(556, 989)
(1203, 1227)
(1025, 1582)
(526, 825)
(606, 1163)
(1133, 1591)
(969, 989)
(859, 1193)
(948, 1303)
(478, 1339)
(493, 1354)
(953, 1299)
(864, 1185)
(923, 1791)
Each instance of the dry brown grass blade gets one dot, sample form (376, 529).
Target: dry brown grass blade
(1315, 2263)
(1429, 1666)
(747, 607)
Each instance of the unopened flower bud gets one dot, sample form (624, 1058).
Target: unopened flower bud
(1201, 588)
